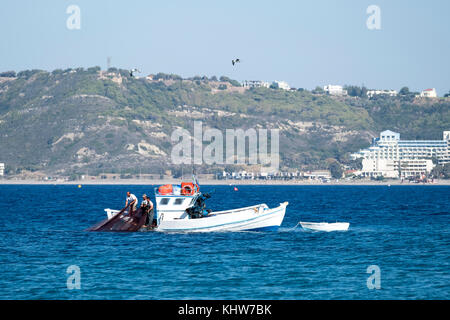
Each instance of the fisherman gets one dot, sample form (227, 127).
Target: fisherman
(147, 205)
(131, 201)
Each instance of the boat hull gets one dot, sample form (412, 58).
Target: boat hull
(258, 218)
(324, 226)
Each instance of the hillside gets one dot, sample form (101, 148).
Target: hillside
(70, 121)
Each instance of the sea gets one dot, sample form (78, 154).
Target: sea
(397, 246)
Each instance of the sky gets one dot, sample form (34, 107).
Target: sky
(306, 43)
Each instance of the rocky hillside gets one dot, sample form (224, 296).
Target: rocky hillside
(69, 121)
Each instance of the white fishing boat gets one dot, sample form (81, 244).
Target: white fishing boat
(182, 209)
(325, 226)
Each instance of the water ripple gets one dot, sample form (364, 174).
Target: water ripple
(403, 230)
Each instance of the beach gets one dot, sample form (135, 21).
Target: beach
(224, 182)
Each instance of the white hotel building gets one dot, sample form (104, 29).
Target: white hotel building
(2, 169)
(255, 84)
(391, 93)
(394, 158)
(335, 90)
(281, 85)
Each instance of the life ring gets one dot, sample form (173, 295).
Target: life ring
(189, 190)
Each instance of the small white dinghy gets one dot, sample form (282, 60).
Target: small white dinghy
(325, 226)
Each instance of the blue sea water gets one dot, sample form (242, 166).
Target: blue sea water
(404, 230)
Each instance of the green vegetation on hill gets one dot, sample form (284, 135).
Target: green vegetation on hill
(74, 120)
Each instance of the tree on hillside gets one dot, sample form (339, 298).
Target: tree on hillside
(404, 91)
(29, 73)
(234, 83)
(336, 170)
(57, 72)
(318, 90)
(355, 91)
(406, 95)
(355, 164)
(8, 74)
(364, 92)
(447, 94)
(165, 76)
(93, 70)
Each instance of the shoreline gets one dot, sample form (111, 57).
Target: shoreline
(225, 182)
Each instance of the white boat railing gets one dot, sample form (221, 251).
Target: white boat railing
(255, 208)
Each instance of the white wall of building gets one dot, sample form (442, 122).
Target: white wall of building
(320, 174)
(335, 90)
(391, 93)
(2, 169)
(389, 135)
(395, 168)
(255, 84)
(429, 93)
(282, 85)
(379, 167)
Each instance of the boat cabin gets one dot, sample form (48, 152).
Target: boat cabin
(173, 200)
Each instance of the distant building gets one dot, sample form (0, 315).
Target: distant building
(255, 84)
(335, 90)
(281, 85)
(2, 169)
(390, 157)
(316, 175)
(391, 93)
(429, 93)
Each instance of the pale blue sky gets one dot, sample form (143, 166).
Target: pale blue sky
(306, 43)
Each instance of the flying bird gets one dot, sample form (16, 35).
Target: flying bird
(132, 71)
(233, 62)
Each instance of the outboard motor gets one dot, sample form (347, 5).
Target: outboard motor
(198, 210)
